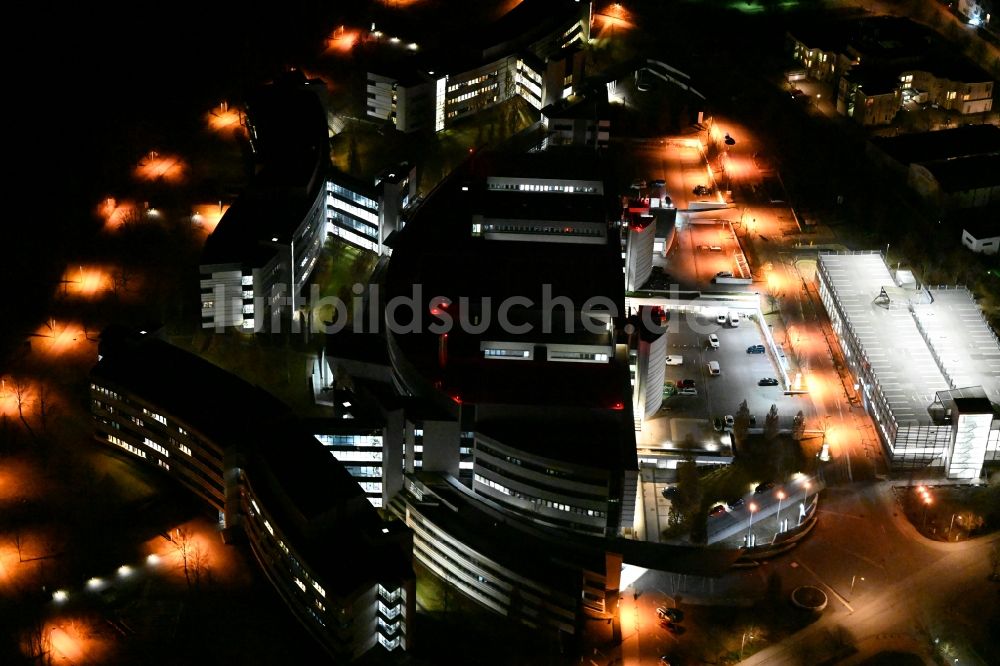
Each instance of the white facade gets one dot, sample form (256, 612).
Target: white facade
(984, 244)
(904, 347)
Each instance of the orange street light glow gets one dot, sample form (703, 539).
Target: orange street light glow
(87, 281)
(208, 215)
(342, 40)
(223, 119)
(115, 213)
(156, 167)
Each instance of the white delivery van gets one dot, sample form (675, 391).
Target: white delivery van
(734, 319)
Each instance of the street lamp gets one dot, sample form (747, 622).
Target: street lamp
(781, 496)
(744, 641)
(805, 501)
(751, 507)
(853, 579)
(927, 502)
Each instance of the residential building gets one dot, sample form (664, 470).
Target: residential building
(877, 63)
(926, 363)
(869, 96)
(270, 480)
(979, 13)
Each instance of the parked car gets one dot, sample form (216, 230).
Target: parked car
(736, 503)
(721, 319)
(715, 248)
(767, 381)
(687, 391)
(755, 349)
(672, 614)
(717, 510)
(670, 492)
(659, 182)
(685, 383)
(713, 341)
(714, 368)
(763, 487)
(719, 424)
(701, 190)
(675, 360)
(723, 274)
(730, 421)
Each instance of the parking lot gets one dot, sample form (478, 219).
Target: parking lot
(687, 417)
(699, 253)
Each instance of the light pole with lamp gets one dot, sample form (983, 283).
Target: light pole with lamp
(744, 641)
(805, 497)
(751, 507)
(927, 503)
(853, 579)
(781, 496)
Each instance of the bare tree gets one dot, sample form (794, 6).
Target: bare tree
(44, 403)
(773, 298)
(22, 390)
(799, 426)
(18, 539)
(194, 559)
(120, 280)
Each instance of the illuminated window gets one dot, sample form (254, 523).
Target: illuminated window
(270, 529)
(184, 449)
(302, 586)
(156, 447)
(951, 94)
(319, 588)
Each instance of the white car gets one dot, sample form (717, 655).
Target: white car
(721, 319)
(675, 360)
(713, 341)
(687, 391)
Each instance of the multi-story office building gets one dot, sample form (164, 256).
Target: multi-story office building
(268, 243)
(527, 53)
(526, 418)
(926, 364)
(366, 215)
(640, 235)
(651, 355)
(241, 451)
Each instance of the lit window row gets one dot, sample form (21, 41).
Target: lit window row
(536, 500)
(506, 353)
(163, 464)
(155, 416)
(360, 199)
(156, 447)
(128, 447)
(106, 392)
(184, 449)
(356, 211)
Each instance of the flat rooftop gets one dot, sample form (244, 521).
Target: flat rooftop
(907, 373)
(966, 173)
(941, 145)
(968, 351)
